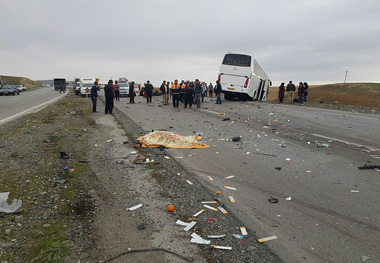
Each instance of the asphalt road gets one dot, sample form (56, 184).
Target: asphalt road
(325, 221)
(12, 107)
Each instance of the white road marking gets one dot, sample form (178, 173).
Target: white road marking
(36, 108)
(345, 142)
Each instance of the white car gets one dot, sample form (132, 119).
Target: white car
(124, 88)
(21, 88)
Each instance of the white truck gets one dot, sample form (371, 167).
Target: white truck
(242, 77)
(85, 85)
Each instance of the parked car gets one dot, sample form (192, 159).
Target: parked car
(21, 88)
(9, 89)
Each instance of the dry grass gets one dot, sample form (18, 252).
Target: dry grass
(358, 94)
(10, 80)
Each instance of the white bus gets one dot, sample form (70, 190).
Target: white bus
(242, 77)
(85, 85)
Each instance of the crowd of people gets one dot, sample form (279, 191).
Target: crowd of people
(189, 92)
(186, 92)
(303, 89)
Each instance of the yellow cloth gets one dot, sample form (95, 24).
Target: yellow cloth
(170, 140)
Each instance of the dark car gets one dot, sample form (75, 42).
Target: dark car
(8, 90)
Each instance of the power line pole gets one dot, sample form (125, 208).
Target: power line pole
(345, 78)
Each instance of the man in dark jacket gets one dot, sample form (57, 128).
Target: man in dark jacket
(198, 93)
(94, 95)
(290, 89)
(132, 93)
(163, 92)
(148, 92)
(218, 91)
(110, 95)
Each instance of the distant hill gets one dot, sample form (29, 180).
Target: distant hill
(10, 80)
(358, 94)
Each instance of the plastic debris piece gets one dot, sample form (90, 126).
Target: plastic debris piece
(278, 168)
(189, 182)
(237, 236)
(181, 223)
(60, 181)
(210, 178)
(167, 157)
(247, 153)
(210, 207)
(231, 188)
(208, 202)
(221, 247)
(211, 219)
(178, 157)
(288, 159)
(190, 226)
(231, 199)
(365, 258)
(215, 236)
(288, 198)
(4, 207)
(199, 240)
(273, 200)
(226, 119)
(64, 155)
(243, 230)
(261, 240)
(134, 207)
(365, 226)
(66, 168)
(308, 172)
(141, 227)
(369, 167)
(198, 213)
(221, 209)
(354, 191)
(110, 140)
(236, 138)
(199, 134)
(229, 177)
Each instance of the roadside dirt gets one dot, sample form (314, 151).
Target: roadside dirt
(85, 218)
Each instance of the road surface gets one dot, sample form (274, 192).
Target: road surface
(334, 212)
(12, 107)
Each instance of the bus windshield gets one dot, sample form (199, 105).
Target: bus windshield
(237, 60)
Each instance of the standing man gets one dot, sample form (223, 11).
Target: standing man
(94, 95)
(167, 92)
(204, 91)
(174, 89)
(132, 93)
(281, 92)
(210, 90)
(306, 90)
(116, 88)
(198, 93)
(149, 92)
(163, 92)
(290, 89)
(61, 88)
(218, 92)
(110, 95)
(301, 94)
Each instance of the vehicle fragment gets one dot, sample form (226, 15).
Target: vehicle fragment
(199, 240)
(273, 200)
(243, 231)
(221, 247)
(210, 207)
(4, 207)
(134, 207)
(261, 240)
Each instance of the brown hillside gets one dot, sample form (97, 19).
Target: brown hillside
(28, 83)
(358, 94)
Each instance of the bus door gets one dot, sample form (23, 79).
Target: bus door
(261, 95)
(259, 90)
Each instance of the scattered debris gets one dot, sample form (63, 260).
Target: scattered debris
(237, 236)
(210, 178)
(189, 182)
(354, 191)
(187, 226)
(273, 200)
(215, 236)
(318, 144)
(243, 230)
(221, 209)
(221, 247)
(251, 248)
(365, 226)
(4, 207)
(210, 207)
(266, 154)
(261, 240)
(288, 198)
(208, 202)
(170, 208)
(198, 240)
(134, 207)
(229, 177)
(231, 199)
(278, 168)
(231, 188)
(198, 213)
(141, 227)
(60, 181)
(64, 155)
(236, 138)
(226, 119)
(365, 258)
(369, 167)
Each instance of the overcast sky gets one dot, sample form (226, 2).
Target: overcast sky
(299, 40)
